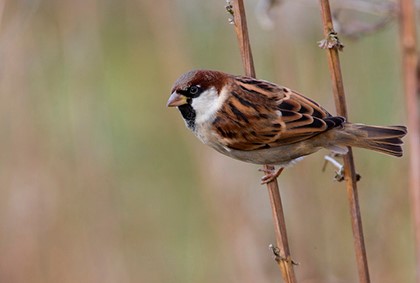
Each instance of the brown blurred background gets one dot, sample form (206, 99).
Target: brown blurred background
(100, 182)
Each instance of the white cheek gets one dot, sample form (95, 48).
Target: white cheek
(207, 104)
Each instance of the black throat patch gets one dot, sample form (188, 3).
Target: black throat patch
(188, 113)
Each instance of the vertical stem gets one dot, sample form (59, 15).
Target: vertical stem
(349, 168)
(285, 262)
(409, 62)
(242, 34)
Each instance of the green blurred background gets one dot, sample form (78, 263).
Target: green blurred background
(100, 182)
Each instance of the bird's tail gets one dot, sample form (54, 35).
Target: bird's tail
(382, 139)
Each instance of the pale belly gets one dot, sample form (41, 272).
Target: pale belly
(281, 155)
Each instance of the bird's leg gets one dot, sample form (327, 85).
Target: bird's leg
(270, 175)
(339, 174)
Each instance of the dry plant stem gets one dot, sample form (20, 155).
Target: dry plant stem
(241, 30)
(410, 61)
(285, 264)
(349, 169)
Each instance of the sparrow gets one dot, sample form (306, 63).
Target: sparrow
(260, 122)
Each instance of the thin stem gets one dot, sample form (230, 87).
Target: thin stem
(285, 262)
(410, 61)
(349, 168)
(241, 30)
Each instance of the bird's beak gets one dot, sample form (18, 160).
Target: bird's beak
(176, 100)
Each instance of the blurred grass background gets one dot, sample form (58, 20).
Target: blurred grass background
(100, 182)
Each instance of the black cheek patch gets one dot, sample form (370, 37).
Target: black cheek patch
(189, 115)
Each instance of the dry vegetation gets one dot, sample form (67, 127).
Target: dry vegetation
(101, 183)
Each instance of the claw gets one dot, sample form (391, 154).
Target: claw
(270, 175)
(339, 174)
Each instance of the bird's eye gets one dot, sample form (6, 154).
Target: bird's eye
(194, 90)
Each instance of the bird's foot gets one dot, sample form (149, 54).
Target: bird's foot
(270, 175)
(339, 174)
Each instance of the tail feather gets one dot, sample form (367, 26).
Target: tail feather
(392, 141)
(387, 139)
(390, 149)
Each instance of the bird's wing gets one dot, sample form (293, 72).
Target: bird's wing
(259, 114)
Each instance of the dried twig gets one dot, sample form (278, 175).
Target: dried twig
(349, 168)
(410, 61)
(285, 262)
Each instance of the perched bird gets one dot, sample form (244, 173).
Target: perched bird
(260, 122)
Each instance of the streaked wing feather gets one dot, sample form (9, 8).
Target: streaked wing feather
(260, 114)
